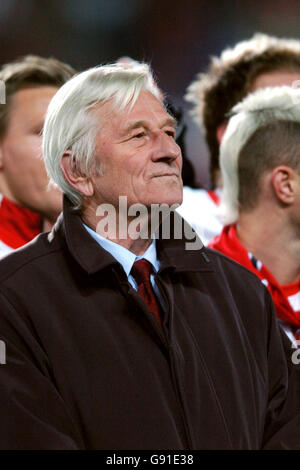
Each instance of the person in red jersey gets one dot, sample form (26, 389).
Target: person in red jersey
(27, 205)
(259, 62)
(260, 163)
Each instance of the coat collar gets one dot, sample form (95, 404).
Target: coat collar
(172, 252)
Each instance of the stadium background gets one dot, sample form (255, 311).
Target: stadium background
(176, 36)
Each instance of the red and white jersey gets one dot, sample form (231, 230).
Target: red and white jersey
(200, 209)
(18, 226)
(4, 249)
(292, 293)
(286, 298)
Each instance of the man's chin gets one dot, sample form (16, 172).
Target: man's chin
(171, 198)
(167, 196)
(170, 202)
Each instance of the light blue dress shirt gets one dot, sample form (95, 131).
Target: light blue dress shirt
(126, 258)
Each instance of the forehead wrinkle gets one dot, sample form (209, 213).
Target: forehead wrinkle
(169, 121)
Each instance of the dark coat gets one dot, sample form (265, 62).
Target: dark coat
(89, 367)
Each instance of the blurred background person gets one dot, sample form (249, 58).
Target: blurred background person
(256, 63)
(260, 169)
(98, 31)
(27, 204)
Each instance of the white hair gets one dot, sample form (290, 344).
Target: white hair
(257, 109)
(256, 46)
(69, 124)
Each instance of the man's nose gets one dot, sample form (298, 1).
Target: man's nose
(166, 148)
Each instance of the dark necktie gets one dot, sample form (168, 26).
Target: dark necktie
(141, 271)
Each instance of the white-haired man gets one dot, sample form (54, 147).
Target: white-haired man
(125, 341)
(260, 163)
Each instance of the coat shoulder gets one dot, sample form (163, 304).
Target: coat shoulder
(231, 266)
(14, 262)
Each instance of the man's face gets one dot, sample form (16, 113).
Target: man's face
(269, 79)
(138, 155)
(23, 176)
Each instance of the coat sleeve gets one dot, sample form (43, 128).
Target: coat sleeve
(282, 428)
(33, 414)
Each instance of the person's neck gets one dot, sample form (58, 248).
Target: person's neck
(138, 247)
(269, 236)
(48, 224)
(120, 234)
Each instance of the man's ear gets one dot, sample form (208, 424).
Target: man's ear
(284, 180)
(74, 176)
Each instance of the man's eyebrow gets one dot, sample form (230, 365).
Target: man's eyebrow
(134, 125)
(169, 121)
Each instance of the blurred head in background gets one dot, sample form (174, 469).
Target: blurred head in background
(259, 62)
(30, 83)
(260, 158)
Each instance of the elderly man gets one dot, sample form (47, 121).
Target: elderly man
(119, 341)
(27, 205)
(259, 62)
(260, 162)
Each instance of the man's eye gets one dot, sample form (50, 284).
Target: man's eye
(171, 134)
(37, 131)
(139, 135)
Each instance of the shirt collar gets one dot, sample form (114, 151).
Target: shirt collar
(92, 258)
(124, 256)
